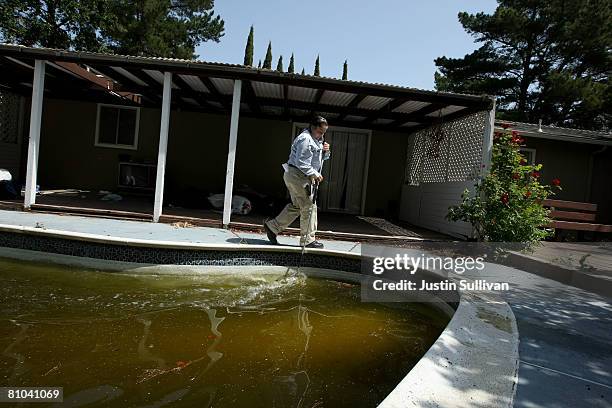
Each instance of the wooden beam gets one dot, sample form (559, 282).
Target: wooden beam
(353, 104)
(186, 91)
(250, 96)
(215, 93)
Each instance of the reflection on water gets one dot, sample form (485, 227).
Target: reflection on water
(224, 341)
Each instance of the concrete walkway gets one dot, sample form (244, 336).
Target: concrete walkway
(153, 231)
(565, 347)
(565, 332)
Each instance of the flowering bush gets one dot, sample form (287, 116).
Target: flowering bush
(507, 204)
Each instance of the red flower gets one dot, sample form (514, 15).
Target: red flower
(556, 182)
(515, 133)
(504, 198)
(523, 162)
(505, 125)
(516, 176)
(528, 194)
(535, 174)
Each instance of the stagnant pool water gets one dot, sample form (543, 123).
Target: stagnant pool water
(250, 340)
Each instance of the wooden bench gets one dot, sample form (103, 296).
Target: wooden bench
(573, 215)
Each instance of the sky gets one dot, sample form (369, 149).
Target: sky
(386, 41)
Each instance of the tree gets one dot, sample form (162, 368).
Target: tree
(279, 65)
(259, 64)
(316, 69)
(268, 60)
(303, 72)
(345, 71)
(248, 51)
(158, 28)
(65, 24)
(291, 68)
(544, 60)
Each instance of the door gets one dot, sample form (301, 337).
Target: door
(345, 173)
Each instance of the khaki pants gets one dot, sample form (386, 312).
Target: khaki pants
(301, 205)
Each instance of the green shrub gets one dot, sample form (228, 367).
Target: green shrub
(506, 205)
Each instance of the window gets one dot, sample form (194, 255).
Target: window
(529, 155)
(117, 126)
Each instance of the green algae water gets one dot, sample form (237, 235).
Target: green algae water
(239, 340)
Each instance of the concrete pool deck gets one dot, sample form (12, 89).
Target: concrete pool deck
(564, 356)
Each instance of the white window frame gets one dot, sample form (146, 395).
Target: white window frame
(117, 146)
(530, 150)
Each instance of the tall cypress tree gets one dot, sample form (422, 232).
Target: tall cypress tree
(279, 65)
(291, 65)
(303, 72)
(248, 51)
(316, 70)
(345, 71)
(268, 60)
(259, 65)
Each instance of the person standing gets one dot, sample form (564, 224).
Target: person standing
(302, 173)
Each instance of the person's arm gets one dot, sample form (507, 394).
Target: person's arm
(326, 153)
(303, 154)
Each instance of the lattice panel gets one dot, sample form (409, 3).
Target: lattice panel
(448, 152)
(9, 117)
(465, 157)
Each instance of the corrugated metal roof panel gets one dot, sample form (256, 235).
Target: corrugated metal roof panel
(336, 98)
(216, 104)
(191, 101)
(353, 118)
(445, 111)
(410, 106)
(272, 110)
(158, 76)
(299, 112)
(329, 115)
(298, 93)
(383, 121)
(128, 75)
(267, 90)
(373, 102)
(223, 85)
(195, 83)
(409, 124)
(51, 53)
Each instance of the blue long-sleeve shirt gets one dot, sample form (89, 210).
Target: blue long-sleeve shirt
(306, 154)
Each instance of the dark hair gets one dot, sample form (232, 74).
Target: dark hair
(317, 121)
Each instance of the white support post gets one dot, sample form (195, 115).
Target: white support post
(487, 143)
(163, 147)
(38, 88)
(231, 155)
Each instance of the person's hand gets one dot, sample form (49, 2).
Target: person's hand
(317, 179)
(326, 147)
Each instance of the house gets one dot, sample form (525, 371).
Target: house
(580, 159)
(157, 128)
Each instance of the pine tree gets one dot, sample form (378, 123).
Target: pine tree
(545, 60)
(268, 60)
(303, 72)
(158, 29)
(316, 70)
(279, 65)
(248, 51)
(259, 65)
(345, 71)
(291, 65)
